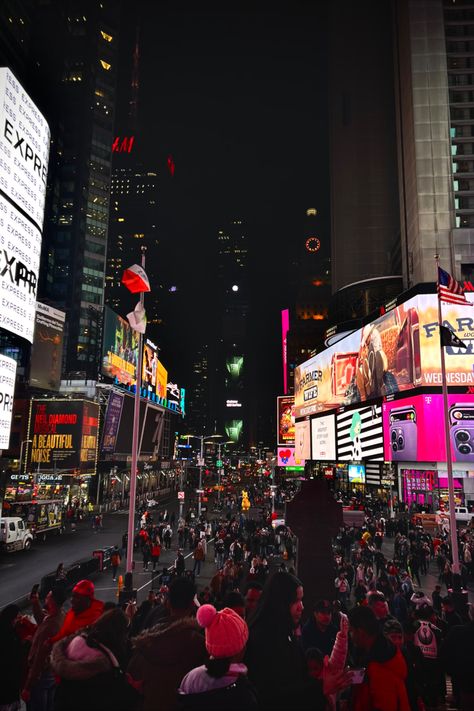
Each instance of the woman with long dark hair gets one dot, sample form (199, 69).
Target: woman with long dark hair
(275, 659)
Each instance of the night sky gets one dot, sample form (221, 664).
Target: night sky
(238, 97)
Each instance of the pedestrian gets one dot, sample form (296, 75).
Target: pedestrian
(39, 686)
(342, 588)
(155, 553)
(198, 556)
(222, 681)
(274, 657)
(146, 553)
(85, 610)
(319, 631)
(13, 659)
(90, 667)
(115, 562)
(457, 657)
(180, 563)
(168, 650)
(383, 686)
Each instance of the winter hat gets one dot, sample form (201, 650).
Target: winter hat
(84, 587)
(226, 632)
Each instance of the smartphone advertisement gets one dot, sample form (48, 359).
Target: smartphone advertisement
(414, 429)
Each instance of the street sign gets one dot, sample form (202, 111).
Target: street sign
(180, 495)
(219, 464)
(200, 461)
(199, 491)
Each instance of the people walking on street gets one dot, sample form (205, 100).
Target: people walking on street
(155, 553)
(198, 556)
(115, 562)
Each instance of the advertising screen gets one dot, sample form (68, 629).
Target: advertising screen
(150, 366)
(47, 350)
(161, 380)
(176, 398)
(150, 431)
(398, 351)
(7, 391)
(285, 327)
(287, 458)
(24, 151)
(233, 429)
(286, 420)
(64, 435)
(112, 422)
(119, 349)
(414, 429)
(323, 439)
(356, 473)
(303, 440)
(360, 434)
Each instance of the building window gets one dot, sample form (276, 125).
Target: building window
(105, 65)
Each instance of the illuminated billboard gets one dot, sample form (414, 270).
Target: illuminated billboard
(119, 349)
(323, 439)
(161, 379)
(397, 352)
(303, 440)
(287, 458)
(233, 429)
(360, 434)
(112, 422)
(24, 151)
(47, 350)
(63, 435)
(286, 420)
(7, 391)
(414, 429)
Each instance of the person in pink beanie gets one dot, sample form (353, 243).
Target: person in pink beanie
(222, 682)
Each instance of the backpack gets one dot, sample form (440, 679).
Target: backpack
(425, 639)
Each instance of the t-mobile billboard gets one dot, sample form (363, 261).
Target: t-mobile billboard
(397, 352)
(414, 428)
(24, 152)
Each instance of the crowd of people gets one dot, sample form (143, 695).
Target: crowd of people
(249, 639)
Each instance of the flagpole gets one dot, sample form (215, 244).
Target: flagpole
(449, 460)
(135, 433)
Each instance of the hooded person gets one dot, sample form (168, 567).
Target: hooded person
(85, 610)
(221, 683)
(163, 654)
(89, 666)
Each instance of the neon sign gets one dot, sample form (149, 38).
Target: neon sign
(123, 145)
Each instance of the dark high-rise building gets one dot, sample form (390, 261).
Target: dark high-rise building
(74, 46)
(133, 224)
(197, 407)
(229, 359)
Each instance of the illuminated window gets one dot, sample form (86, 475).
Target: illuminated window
(105, 65)
(105, 36)
(120, 219)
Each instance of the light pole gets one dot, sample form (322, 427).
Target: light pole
(200, 464)
(219, 468)
(25, 441)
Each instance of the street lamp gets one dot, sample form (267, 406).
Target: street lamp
(219, 469)
(25, 441)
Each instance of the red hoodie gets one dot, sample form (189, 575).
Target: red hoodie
(384, 686)
(76, 621)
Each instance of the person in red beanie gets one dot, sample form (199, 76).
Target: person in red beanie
(222, 682)
(85, 610)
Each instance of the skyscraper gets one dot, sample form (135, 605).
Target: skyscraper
(75, 51)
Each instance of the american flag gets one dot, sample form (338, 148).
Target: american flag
(449, 290)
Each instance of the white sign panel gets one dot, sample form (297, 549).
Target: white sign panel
(24, 151)
(323, 439)
(24, 148)
(7, 390)
(302, 440)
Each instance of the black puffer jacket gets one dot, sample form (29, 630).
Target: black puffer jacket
(91, 680)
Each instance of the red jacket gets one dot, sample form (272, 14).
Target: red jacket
(74, 622)
(384, 686)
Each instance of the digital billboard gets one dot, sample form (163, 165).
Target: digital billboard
(161, 379)
(63, 435)
(286, 420)
(47, 349)
(287, 458)
(360, 434)
(356, 473)
(149, 366)
(24, 151)
(303, 440)
(7, 391)
(176, 398)
(414, 428)
(323, 439)
(119, 349)
(151, 419)
(233, 429)
(112, 422)
(397, 352)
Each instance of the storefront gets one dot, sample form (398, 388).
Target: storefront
(428, 488)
